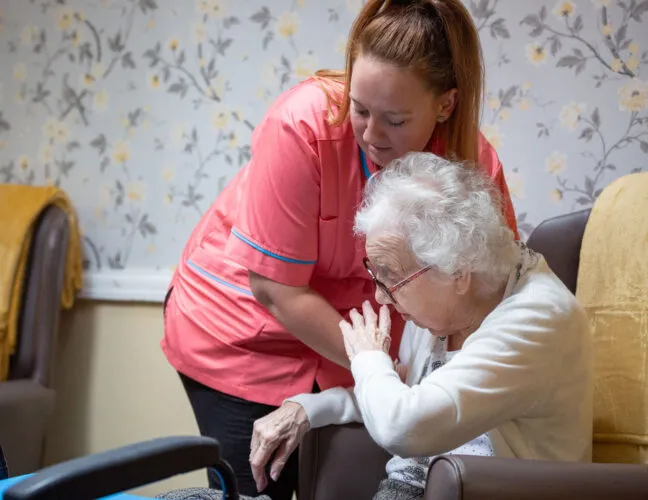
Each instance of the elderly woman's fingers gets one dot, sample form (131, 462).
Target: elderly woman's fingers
(258, 460)
(384, 321)
(282, 455)
(265, 441)
(370, 318)
(356, 319)
(347, 332)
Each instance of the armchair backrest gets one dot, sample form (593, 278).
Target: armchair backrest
(559, 240)
(41, 299)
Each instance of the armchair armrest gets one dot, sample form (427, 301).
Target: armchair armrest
(459, 477)
(340, 461)
(25, 409)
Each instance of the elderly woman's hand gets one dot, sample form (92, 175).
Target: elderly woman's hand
(368, 332)
(279, 432)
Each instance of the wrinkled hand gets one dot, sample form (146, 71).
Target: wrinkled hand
(402, 370)
(368, 333)
(278, 433)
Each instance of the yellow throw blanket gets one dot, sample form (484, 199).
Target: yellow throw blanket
(20, 207)
(613, 287)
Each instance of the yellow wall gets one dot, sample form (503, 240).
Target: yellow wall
(114, 386)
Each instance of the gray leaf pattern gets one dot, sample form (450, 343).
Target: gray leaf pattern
(142, 110)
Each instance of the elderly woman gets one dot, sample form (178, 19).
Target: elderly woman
(496, 349)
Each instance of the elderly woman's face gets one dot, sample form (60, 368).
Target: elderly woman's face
(431, 300)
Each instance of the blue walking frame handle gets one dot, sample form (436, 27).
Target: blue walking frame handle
(122, 469)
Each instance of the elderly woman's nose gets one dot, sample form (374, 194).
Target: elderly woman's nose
(381, 297)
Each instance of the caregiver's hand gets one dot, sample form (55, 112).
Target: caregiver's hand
(367, 332)
(278, 433)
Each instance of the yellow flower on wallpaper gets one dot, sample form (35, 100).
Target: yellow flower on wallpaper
(493, 103)
(354, 6)
(220, 118)
(151, 24)
(556, 195)
(168, 173)
(97, 70)
(23, 163)
(136, 190)
(104, 197)
(174, 44)
(177, 134)
(556, 162)
(121, 152)
(503, 115)
(536, 54)
(28, 35)
(301, 3)
(215, 9)
(288, 24)
(198, 32)
(570, 115)
(524, 104)
(269, 74)
(233, 141)
(65, 17)
(527, 86)
(633, 48)
(564, 9)
(305, 66)
(168, 199)
(56, 131)
(633, 62)
(516, 184)
(218, 85)
(616, 65)
(77, 38)
(100, 101)
(607, 29)
(151, 248)
(601, 3)
(493, 135)
(154, 80)
(20, 72)
(633, 96)
(45, 154)
(341, 44)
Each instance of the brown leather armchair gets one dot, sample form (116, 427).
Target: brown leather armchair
(26, 398)
(344, 462)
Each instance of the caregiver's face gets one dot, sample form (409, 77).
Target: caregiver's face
(432, 300)
(392, 113)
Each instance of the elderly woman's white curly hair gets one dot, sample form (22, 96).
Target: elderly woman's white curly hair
(449, 213)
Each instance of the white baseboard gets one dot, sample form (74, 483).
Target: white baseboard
(126, 286)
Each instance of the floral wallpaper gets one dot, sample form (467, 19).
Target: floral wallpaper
(142, 110)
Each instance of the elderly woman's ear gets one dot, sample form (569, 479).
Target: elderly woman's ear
(463, 280)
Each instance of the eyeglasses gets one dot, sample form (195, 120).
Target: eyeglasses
(390, 290)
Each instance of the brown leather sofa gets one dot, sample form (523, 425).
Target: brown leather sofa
(340, 462)
(26, 398)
